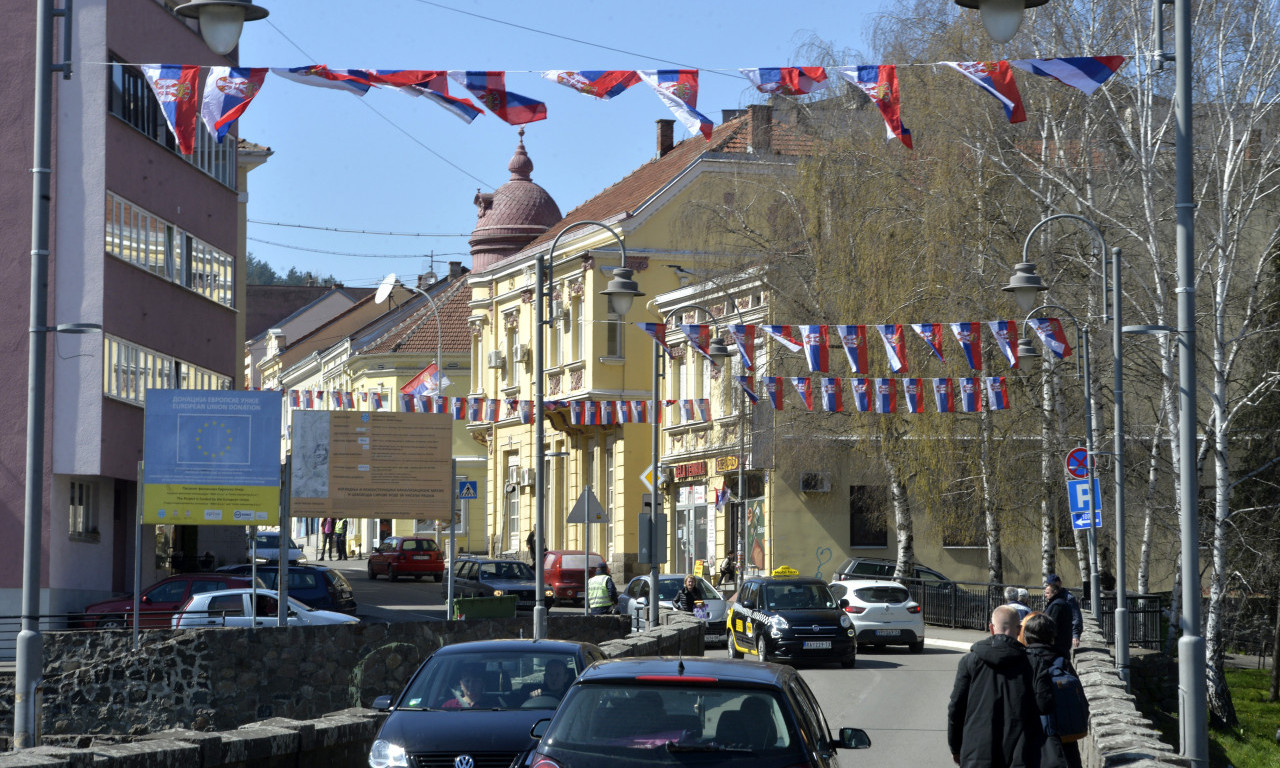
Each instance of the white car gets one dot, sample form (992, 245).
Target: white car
(236, 608)
(883, 613)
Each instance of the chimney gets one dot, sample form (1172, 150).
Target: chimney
(666, 136)
(455, 269)
(761, 128)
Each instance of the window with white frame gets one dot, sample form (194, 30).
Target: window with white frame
(477, 364)
(129, 370)
(83, 508)
(614, 336)
(513, 501)
(513, 367)
(145, 240)
(579, 329)
(608, 495)
(555, 337)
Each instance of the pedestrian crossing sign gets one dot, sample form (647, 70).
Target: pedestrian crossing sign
(467, 490)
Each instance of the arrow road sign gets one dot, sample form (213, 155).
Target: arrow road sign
(1080, 520)
(1078, 463)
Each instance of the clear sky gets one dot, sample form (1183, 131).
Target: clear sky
(388, 162)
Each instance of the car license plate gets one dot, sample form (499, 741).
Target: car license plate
(580, 594)
(422, 557)
(817, 645)
(888, 632)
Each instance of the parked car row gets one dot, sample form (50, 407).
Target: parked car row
(249, 608)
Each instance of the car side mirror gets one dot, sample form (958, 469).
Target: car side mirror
(641, 600)
(382, 703)
(539, 728)
(844, 603)
(854, 738)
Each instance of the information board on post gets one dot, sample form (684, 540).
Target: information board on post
(371, 464)
(211, 457)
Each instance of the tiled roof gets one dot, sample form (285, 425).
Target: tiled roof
(417, 331)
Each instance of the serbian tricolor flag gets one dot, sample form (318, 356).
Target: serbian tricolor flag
(377, 401)
(526, 412)
(1086, 73)
(804, 388)
(1050, 332)
(658, 332)
(932, 335)
(704, 408)
(748, 385)
(832, 395)
(639, 410)
(590, 413)
(475, 408)
(881, 84)
(426, 382)
(678, 89)
(350, 400)
(227, 93)
(944, 395)
(970, 395)
(513, 407)
(997, 393)
(439, 403)
(429, 83)
(895, 346)
(815, 346)
(320, 400)
(782, 334)
(886, 395)
(861, 394)
(576, 413)
(773, 385)
(353, 81)
(970, 337)
(406, 403)
(491, 89)
(608, 412)
(1006, 333)
(995, 78)
(912, 389)
(177, 88)
(688, 411)
(854, 340)
(787, 81)
(491, 410)
(294, 399)
(602, 84)
(699, 337)
(745, 337)
(722, 498)
(337, 399)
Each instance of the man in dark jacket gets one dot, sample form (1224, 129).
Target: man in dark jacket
(993, 720)
(1077, 619)
(1058, 609)
(1038, 634)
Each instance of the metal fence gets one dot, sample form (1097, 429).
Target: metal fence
(968, 605)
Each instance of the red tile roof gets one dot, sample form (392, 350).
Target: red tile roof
(417, 332)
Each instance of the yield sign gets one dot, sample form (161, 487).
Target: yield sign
(587, 509)
(1078, 463)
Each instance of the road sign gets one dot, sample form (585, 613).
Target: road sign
(1079, 498)
(587, 509)
(467, 490)
(1080, 520)
(1078, 463)
(646, 477)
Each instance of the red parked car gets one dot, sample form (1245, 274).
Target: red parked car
(159, 601)
(407, 556)
(562, 570)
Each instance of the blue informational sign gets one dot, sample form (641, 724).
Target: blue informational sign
(467, 490)
(1080, 503)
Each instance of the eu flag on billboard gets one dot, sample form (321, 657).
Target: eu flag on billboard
(204, 439)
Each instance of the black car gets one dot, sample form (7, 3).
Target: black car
(473, 704)
(641, 712)
(786, 617)
(488, 577)
(856, 568)
(316, 585)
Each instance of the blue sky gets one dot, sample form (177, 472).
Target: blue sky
(388, 162)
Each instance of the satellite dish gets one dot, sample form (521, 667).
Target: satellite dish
(384, 290)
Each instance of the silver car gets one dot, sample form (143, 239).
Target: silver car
(249, 608)
(634, 600)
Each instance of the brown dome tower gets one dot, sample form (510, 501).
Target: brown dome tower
(512, 216)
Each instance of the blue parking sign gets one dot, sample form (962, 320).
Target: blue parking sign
(1078, 501)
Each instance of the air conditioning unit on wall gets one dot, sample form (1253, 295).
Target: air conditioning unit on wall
(528, 477)
(520, 353)
(496, 360)
(815, 482)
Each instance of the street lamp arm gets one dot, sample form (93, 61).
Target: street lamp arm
(1093, 228)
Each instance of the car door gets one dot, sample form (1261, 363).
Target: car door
(464, 583)
(810, 722)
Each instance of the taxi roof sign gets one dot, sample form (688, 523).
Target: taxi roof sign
(785, 570)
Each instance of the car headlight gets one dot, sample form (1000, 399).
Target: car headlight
(776, 625)
(384, 754)
(845, 621)
(497, 593)
(550, 593)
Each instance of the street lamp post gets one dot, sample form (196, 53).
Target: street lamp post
(621, 290)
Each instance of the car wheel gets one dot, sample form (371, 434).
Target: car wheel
(417, 577)
(734, 653)
(391, 573)
(372, 575)
(440, 577)
(111, 622)
(848, 662)
(918, 646)
(762, 648)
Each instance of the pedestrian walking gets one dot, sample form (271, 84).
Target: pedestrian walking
(326, 537)
(1039, 633)
(602, 593)
(993, 720)
(340, 534)
(1077, 619)
(727, 568)
(1058, 609)
(1013, 598)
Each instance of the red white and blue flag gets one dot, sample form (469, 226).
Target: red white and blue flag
(439, 403)
(886, 395)
(658, 332)
(815, 347)
(699, 337)
(320, 401)
(748, 385)
(881, 84)
(854, 340)
(995, 78)
(177, 88)
(458, 407)
(1006, 333)
(1049, 329)
(1085, 73)
(804, 388)
(576, 413)
(513, 407)
(932, 335)
(431, 84)
(944, 396)
(602, 84)
(912, 388)
(426, 382)
(970, 337)
(783, 335)
(832, 395)
(337, 399)
(475, 408)
(491, 408)
(377, 401)
(688, 411)
(861, 394)
(294, 399)
(591, 413)
(997, 393)
(895, 346)
(527, 413)
(227, 93)
(678, 89)
(970, 395)
(745, 337)
(353, 81)
(704, 408)
(787, 81)
(640, 411)
(351, 400)
(773, 385)
(722, 498)
(491, 89)
(406, 403)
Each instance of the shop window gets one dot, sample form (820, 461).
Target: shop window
(867, 507)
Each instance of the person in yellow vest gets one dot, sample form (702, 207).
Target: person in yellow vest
(602, 594)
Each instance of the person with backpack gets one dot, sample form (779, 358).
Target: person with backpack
(1064, 710)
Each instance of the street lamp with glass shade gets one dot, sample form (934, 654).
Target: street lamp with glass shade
(1025, 285)
(221, 20)
(1001, 18)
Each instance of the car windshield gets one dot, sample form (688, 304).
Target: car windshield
(782, 597)
(511, 571)
(669, 724)
(883, 594)
(491, 680)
